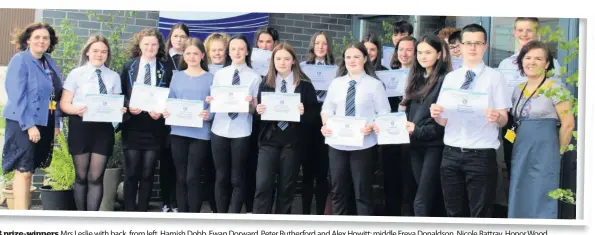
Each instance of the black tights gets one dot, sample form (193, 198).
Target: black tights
(139, 166)
(88, 186)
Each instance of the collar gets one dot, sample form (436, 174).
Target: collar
(477, 70)
(316, 61)
(93, 68)
(289, 78)
(152, 63)
(173, 52)
(240, 68)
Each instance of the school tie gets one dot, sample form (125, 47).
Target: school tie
(235, 82)
(148, 74)
(469, 76)
(283, 124)
(102, 89)
(320, 94)
(350, 100)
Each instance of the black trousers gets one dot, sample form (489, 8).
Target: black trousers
(352, 169)
(315, 166)
(276, 159)
(425, 162)
(399, 185)
(251, 164)
(469, 181)
(167, 178)
(229, 157)
(189, 156)
(209, 180)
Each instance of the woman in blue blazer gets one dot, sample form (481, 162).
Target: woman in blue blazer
(33, 86)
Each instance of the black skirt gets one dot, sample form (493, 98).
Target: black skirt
(20, 153)
(90, 137)
(141, 132)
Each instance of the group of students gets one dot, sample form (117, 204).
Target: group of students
(448, 169)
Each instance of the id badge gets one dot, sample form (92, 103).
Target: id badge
(510, 135)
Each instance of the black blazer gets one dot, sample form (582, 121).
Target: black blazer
(127, 78)
(308, 99)
(427, 132)
(169, 63)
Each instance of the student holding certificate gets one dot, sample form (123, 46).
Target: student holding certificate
(536, 152)
(266, 39)
(280, 142)
(315, 158)
(230, 140)
(143, 133)
(167, 173)
(399, 186)
(191, 145)
(356, 94)
(426, 144)
(90, 143)
(469, 169)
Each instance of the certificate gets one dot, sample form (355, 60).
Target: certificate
(281, 106)
(393, 128)
(320, 75)
(395, 81)
(463, 104)
(184, 112)
(387, 55)
(148, 98)
(103, 108)
(229, 99)
(261, 60)
(346, 131)
(513, 79)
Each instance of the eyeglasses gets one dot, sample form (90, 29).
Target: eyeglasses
(454, 47)
(471, 44)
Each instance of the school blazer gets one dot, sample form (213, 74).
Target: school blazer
(127, 79)
(427, 132)
(307, 97)
(29, 89)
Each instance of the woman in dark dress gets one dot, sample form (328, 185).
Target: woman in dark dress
(33, 87)
(143, 132)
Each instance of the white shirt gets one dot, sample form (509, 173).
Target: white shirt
(370, 100)
(481, 134)
(140, 77)
(240, 127)
(289, 83)
(510, 63)
(83, 80)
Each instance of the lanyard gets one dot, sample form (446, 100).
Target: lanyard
(514, 114)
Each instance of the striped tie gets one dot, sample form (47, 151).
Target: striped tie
(283, 124)
(350, 101)
(148, 74)
(102, 89)
(468, 79)
(235, 81)
(320, 94)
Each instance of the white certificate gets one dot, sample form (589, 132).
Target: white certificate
(229, 99)
(261, 60)
(184, 112)
(281, 106)
(346, 131)
(387, 55)
(395, 81)
(148, 98)
(320, 75)
(513, 79)
(103, 108)
(393, 128)
(463, 104)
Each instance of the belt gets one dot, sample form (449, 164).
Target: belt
(468, 150)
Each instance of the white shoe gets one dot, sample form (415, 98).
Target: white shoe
(174, 210)
(165, 209)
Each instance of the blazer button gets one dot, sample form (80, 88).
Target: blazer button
(14, 113)
(37, 108)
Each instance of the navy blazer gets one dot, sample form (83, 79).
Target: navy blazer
(29, 89)
(128, 76)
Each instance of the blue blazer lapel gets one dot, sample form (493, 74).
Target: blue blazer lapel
(160, 74)
(132, 72)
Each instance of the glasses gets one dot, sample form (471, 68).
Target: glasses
(454, 47)
(471, 44)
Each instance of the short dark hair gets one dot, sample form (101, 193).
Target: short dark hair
(270, 31)
(474, 28)
(402, 27)
(535, 44)
(532, 19)
(20, 37)
(455, 37)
